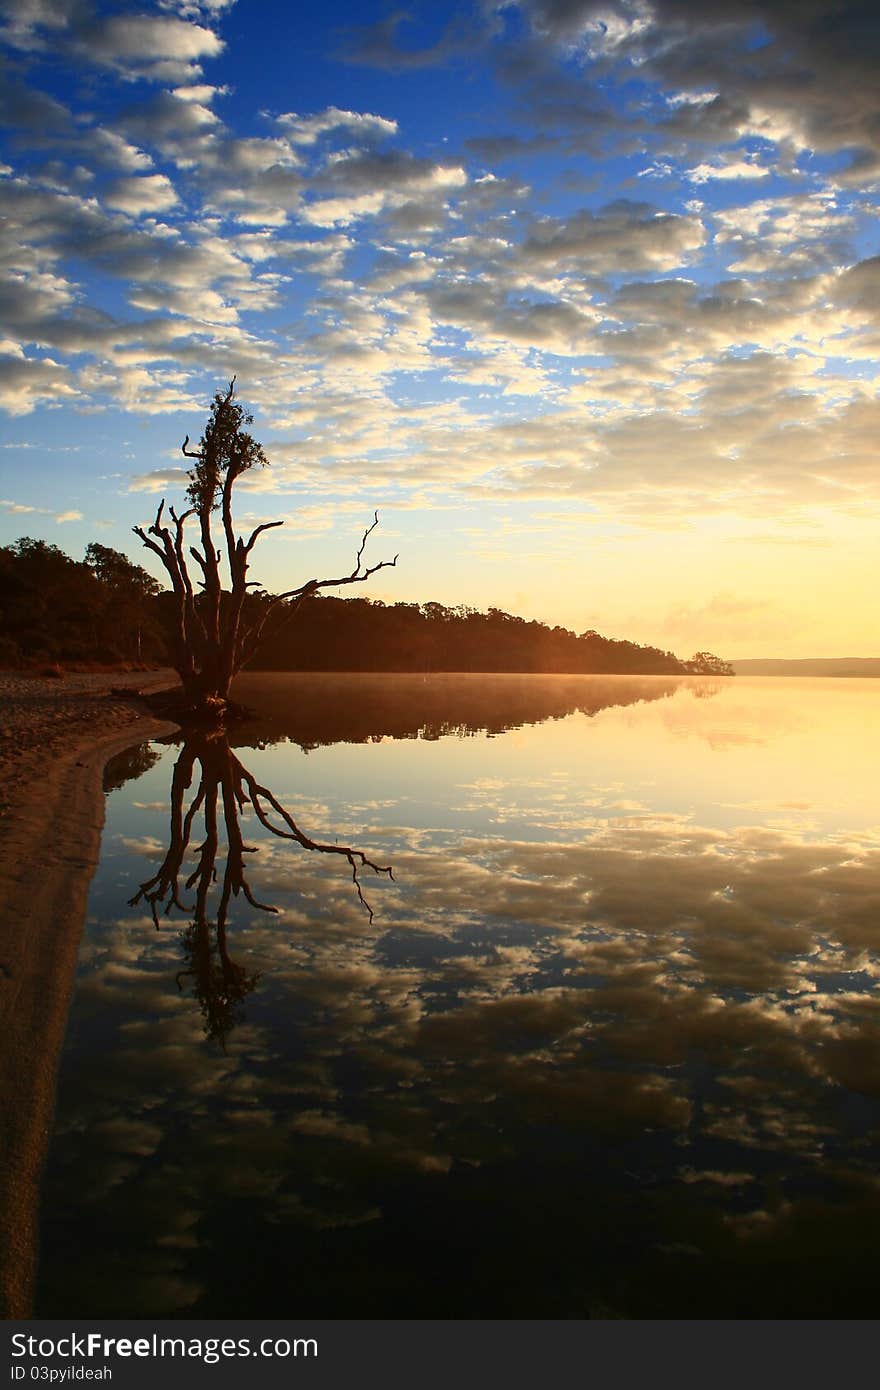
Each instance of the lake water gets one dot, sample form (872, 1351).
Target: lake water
(608, 1047)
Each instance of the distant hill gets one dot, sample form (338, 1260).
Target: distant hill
(810, 666)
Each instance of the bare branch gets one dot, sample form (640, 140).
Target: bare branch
(151, 545)
(266, 526)
(251, 642)
(357, 575)
(366, 537)
(216, 635)
(225, 784)
(355, 857)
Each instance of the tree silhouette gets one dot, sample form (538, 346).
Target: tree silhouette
(223, 788)
(129, 592)
(215, 631)
(103, 608)
(708, 664)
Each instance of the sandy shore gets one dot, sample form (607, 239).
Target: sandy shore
(56, 736)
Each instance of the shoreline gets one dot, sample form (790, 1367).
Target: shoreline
(52, 783)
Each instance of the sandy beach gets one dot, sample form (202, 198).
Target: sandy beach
(56, 735)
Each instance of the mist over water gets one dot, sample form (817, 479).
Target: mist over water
(608, 1047)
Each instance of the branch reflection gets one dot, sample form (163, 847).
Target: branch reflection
(223, 790)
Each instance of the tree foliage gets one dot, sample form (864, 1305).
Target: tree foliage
(334, 634)
(708, 664)
(102, 608)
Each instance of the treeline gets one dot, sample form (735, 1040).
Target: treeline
(360, 634)
(313, 708)
(101, 609)
(107, 609)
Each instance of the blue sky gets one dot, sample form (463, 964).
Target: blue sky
(583, 297)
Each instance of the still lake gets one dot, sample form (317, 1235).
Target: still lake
(608, 1048)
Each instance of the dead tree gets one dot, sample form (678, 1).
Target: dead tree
(223, 788)
(213, 638)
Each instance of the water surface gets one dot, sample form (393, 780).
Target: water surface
(608, 1047)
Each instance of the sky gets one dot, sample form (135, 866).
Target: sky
(583, 297)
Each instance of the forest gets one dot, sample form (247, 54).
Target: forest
(105, 609)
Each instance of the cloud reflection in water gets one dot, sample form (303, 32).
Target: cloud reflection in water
(613, 1058)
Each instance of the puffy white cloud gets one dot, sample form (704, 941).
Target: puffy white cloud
(109, 149)
(859, 287)
(726, 344)
(24, 20)
(343, 211)
(393, 171)
(160, 46)
(727, 171)
(809, 85)
(159, 479)
(357, 184)
(306, 130)
(27, 382)
(149, 193)
(622, 236)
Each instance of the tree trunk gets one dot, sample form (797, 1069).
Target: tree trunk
(212, 642)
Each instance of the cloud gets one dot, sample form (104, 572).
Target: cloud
(25, 18)
(802, 80)
(179, 125)
(156, 47)
(730, 619)
(41, 122)
(623, 236)
(23, 107)
(557, 985)
(859, 287)
(727, 170)
(788, 234)
(148, 194)
(200, 275)
(361, 125)
(162, 47)
(808, 85)
(380, 45)
(20, 509)
(160, 479)
(439, 328)
(554, 325)
(27, 382)
(110, 150)
(365, 183)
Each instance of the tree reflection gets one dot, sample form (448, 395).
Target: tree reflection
(219, 984)
(128, 765)
(223, 789)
